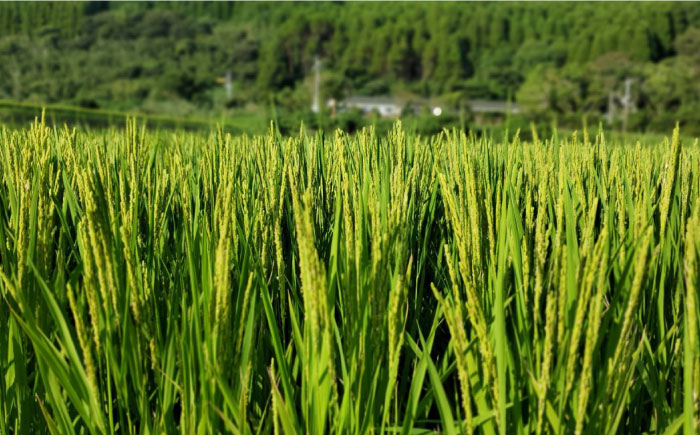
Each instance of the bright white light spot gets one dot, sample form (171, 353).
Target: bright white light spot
(437, 111)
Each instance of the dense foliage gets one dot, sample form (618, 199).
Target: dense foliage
(558, 60)
(163, 283)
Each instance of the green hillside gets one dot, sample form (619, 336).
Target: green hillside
(558, 60)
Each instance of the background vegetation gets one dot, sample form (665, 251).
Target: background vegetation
(559, 61)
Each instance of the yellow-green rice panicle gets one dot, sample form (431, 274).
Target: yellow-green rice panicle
(547, 355)
(455, 323)
(691, 311)
(640, 267)
(669, 177)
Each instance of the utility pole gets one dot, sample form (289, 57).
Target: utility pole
(611, 107)
(228, 85)
(316, 105)
(626, 103)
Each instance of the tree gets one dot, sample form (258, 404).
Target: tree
(688, 43)
(271, 73)
(546, 92)
(607, 74)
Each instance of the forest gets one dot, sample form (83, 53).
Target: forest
(559, 62)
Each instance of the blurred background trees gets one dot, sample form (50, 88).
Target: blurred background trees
(558, 61)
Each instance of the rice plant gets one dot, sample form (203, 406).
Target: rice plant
(160, 282)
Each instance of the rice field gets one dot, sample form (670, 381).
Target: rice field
(160, 282)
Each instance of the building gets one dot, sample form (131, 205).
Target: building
(389, 107)
(492, 106)
(490, 111)
(384, 106)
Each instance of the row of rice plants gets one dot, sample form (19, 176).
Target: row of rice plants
(159, 282)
